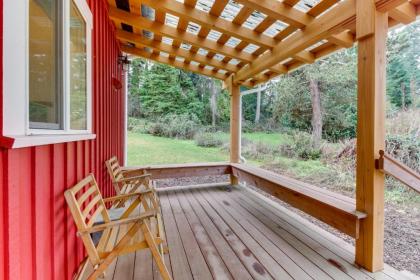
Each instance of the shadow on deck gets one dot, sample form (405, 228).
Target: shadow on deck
(216, 234)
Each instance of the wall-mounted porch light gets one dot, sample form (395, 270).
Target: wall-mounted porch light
(124, 61)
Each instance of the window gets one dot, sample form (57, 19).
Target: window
(78, 93)
(59, 67)
(44, 89)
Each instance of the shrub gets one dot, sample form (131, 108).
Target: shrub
(300, 146)
(206, 139)
(136, 125)
(156, 129)
(175, 126)
(258, 150)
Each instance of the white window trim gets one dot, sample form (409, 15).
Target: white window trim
(16, 78)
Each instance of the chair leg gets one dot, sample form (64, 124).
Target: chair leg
(115, 252)
(82, 269)
(155, 252)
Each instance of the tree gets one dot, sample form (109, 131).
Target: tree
(166, 90)
(316, 112)
(403, 71)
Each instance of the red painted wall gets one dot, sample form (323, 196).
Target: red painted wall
(37, 234)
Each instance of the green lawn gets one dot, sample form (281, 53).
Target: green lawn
(267, 138)
(145, 149)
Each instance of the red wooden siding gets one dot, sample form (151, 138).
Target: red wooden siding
(37, 234)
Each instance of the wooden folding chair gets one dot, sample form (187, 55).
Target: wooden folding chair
(125, 184)
(125, 235)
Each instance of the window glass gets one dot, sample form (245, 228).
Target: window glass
(78, 70)
(44, 109)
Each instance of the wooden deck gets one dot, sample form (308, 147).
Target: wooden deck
(216, 234)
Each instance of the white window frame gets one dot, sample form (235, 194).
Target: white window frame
(16, 77)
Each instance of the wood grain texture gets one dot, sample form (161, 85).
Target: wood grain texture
(370, 139)
(248, 234)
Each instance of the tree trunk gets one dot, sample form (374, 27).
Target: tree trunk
(213, 102)
(413, 93)
(258, 109)
(403, 96)
(316, 112)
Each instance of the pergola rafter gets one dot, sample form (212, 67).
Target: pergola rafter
(331, 22)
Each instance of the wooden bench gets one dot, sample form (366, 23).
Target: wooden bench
(181, 170)
(334, 209)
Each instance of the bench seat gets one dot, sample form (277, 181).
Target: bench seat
(333, 209)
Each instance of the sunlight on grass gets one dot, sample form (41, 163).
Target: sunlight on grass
(144, 149)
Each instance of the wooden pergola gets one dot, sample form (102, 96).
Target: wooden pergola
(248, 42)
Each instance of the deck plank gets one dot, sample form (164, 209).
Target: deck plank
(329, 241)
(214, 261)
(198, 265)
(179, 263)
(214, 234)
(143, 267)
(305, 232)
(233, 263)
(267, 261)
(273, 233)
(125, 267)
(283, 260)
(242, 251)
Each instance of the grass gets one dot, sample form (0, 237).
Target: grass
(301, 168)
(266, 138)
(145, 149)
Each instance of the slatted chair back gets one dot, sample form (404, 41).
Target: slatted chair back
(86, 205)
(115, 171)
(124, 184)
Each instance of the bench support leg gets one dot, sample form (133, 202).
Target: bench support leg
(372, 28)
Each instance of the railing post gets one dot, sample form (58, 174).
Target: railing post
(235, 124)
(371, 29)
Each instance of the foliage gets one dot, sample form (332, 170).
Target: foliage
(163, 90)
(208, 139)
(181, 126)
(301, 146)
(403, 69)
(136, 125)
(157, 91)
(336, 77)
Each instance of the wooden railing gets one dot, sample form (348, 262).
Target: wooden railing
(398, 170)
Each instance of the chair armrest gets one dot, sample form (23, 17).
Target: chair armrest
(133, 178)
(122, 196)
(102, 227)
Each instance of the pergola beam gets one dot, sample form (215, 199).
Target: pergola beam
(330, 23)
(165, 30)
(279, 10)
(209, 21)
(406, 13)
(187, 55)
(173, 62)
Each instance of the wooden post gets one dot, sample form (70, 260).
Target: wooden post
(372, 28)
(235, 125)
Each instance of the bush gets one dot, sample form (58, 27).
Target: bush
(258, 150)
(206, 139)
(175, 126)
(264, 126)
(301, 146)
(136, 125)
